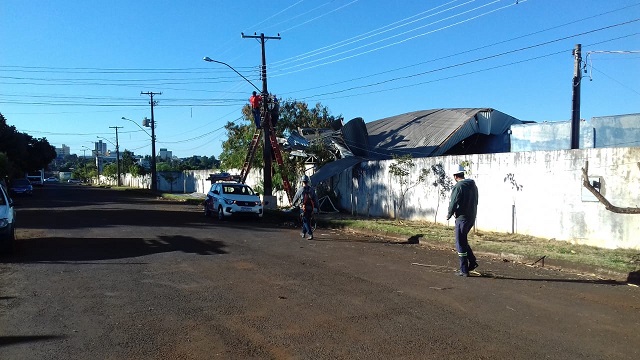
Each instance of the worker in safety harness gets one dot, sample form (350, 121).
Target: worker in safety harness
(464, 206)
(307, 199)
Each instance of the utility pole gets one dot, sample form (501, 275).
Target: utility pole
(117, 152)
(575, 100)
(154, 180)
(266, 155)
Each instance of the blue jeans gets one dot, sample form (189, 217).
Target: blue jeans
(465, 254)
(256, 117)
(306, 222)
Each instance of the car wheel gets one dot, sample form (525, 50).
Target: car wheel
(220, 213)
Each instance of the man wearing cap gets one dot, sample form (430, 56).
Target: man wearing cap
(464, 206)
(307, 199)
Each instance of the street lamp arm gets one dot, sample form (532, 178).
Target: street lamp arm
(141, 128)
(208, 59)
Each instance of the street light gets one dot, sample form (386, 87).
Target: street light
(138, 125)
(266, 150)
(208, 59)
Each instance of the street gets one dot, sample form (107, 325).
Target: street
(105, 274)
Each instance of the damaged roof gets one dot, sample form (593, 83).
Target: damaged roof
(433, 132)
(423, 133)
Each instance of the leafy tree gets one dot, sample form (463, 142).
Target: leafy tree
(5, 166)
(170, 177)
(110, 171)
(443, 183)
(293, 115)
(24, 152)
(85, 171)
(401, 170)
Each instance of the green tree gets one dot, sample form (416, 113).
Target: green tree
(5, 166)
(442, 183)
(293, 115)
(110, 171)
(401, 170)
(85, 171)
(24, 152)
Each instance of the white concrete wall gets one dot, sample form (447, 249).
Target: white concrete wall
(552, 202)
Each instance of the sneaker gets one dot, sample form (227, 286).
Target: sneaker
(310, 237)
(463, 274)
(473, 266)
(303, 235)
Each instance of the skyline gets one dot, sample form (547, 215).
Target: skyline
(71, 71)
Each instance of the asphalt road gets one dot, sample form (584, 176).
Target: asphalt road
(103, 274)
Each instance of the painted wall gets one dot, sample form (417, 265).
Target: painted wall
(551, 202)
(599, 132)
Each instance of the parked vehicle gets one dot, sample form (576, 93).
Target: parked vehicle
(74, 181)
(232, 199)
(36, 178)
(21, 187)
(7, 222)
(51, 179)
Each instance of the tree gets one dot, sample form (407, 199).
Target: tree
(293, 115)
(110, 171)
(85, 171)
(443, 183)
(24, 152)
(401, 170)
(170, 177)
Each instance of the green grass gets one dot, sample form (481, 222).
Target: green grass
(529, 247)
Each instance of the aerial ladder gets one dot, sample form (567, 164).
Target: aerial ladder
(275, 148)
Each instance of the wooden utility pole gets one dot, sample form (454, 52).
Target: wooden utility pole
(575, 101)
(117, 153)
(154, 180)
(266, 155)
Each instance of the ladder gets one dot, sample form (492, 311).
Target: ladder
(250, 155)
(278, 155)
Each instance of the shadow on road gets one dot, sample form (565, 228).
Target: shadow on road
(578, 281)
(17, 339)
(56, 249)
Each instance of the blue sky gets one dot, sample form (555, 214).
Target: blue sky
(70, 70)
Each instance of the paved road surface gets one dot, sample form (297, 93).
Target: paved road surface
(103, 274)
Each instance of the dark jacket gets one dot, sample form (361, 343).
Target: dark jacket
(299, 196)
(464, 200)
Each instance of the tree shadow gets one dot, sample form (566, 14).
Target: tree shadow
(18, 339)
(60, 250)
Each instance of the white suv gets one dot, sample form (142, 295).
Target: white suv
(232, 198)
(7, 222)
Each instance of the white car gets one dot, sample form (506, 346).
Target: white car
(232, 199)
(7, 222)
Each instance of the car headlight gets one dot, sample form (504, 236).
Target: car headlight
(229, 201)
(4, 223)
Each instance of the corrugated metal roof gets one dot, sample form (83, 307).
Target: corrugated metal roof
(432, 132)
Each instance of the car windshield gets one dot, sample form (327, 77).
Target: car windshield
(21, 182)
(237, 190)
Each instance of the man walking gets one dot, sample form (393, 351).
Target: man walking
(308, 200)
(464, 206)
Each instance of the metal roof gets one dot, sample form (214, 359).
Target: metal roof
(432, 132)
